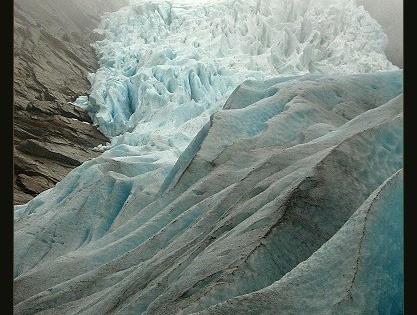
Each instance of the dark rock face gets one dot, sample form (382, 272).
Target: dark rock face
(52, 57)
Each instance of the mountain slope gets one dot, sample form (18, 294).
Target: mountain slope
(52, 57)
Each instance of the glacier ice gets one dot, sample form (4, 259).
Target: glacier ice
(359, 268)
(232, 210)
(240, 130)
(165, 68)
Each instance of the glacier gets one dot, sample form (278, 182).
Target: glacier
(255, 145)
(166, 67)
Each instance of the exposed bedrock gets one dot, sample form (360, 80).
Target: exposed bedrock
(52, 57)
(290, 171)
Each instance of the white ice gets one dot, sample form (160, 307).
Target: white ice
(167, 66)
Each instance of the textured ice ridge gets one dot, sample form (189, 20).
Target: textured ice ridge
(265, 186)
(358, 271)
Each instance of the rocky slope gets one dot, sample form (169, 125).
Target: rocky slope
(52, 57)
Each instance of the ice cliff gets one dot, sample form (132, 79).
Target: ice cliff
(248, 171)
